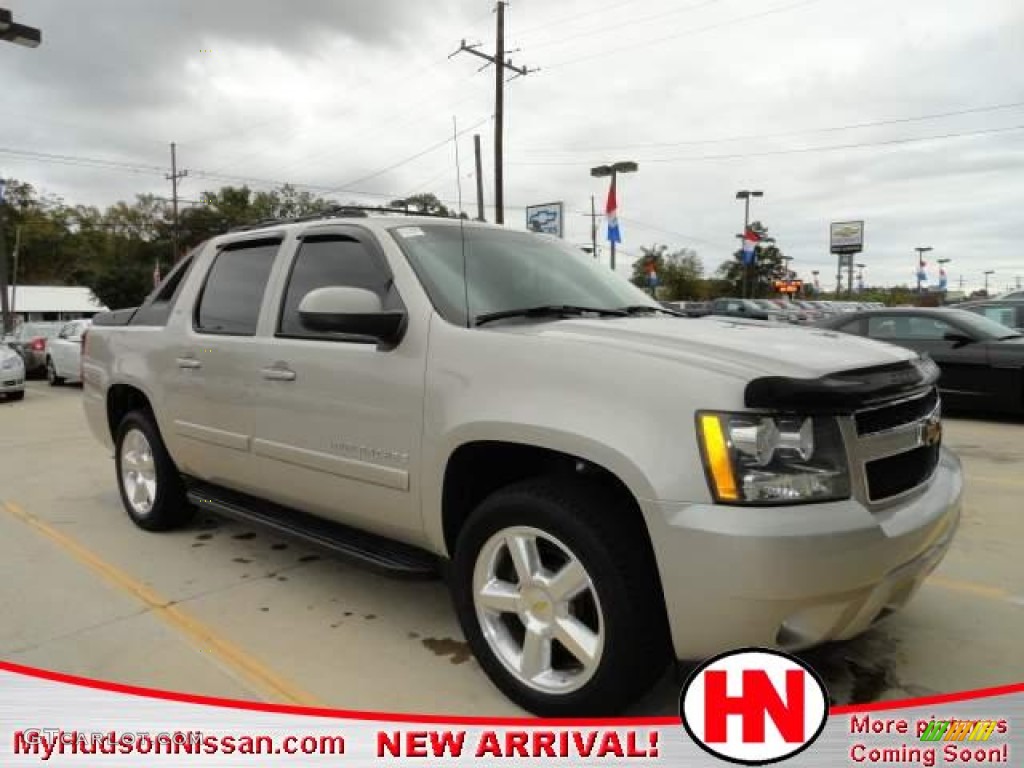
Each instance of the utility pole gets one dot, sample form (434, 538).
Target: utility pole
(479, 179)
(5, 310)
(14, 281)
(500, 65)
(173, 178)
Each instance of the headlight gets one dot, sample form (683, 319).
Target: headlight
(773, 459)
(10, 363)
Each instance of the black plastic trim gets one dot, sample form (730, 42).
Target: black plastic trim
(842, 392)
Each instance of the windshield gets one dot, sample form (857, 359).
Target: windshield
(507, 270)
(982, 327)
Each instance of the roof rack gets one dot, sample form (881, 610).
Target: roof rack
(339, 211)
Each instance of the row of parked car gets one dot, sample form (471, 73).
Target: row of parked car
(37, 348)
(776, 310)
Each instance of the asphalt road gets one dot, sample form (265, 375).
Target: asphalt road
(224, 610)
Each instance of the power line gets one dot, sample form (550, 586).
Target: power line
(803, 150)
(605, 54)
(786, 134)
(409, 159)
(615, 28)
(575, 16)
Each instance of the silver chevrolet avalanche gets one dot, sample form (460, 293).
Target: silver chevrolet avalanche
(608, 485)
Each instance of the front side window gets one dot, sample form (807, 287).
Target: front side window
(333, 260)
(231, 299)
(496, 270)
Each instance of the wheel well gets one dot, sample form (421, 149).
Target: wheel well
(122, 399)
(478, 469)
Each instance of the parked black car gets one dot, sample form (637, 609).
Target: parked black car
(1008, 312)
(982, 362)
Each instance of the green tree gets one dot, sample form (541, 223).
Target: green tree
(425, 202)
(760, 277)
(679, 272)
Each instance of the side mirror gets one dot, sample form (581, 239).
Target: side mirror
(352, 311)
(958, 339)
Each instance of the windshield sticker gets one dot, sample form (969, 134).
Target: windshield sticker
(410, 232)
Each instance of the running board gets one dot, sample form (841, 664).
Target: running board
(375, 552)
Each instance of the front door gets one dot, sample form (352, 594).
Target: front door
(338, 428)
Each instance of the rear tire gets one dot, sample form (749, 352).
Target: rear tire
(51, 373)
(579, 632)
(151, 488)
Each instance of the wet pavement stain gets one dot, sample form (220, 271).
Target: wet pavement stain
(309, 558)
(204, 536)
(265, 610)
(244, 536)
(278, 547)
(198, 544)
(243, 560)
(447, 646)
(348, 613)
(414, 635)
(370, 616)
(282, 578)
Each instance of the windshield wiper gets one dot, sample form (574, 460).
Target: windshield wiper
(637, 309)
(547, 310)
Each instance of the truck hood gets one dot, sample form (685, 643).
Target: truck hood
(739, 348)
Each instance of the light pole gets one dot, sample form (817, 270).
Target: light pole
(942, 274)
(921, 251)
(815, 273)
(29, 37)
(745, 195)
(611, 208)
(5, 308)
(19, 34)
(987, 273)
(860, 277)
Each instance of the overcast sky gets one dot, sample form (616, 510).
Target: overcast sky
(357, 98)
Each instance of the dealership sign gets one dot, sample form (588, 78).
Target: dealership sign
(546, 218)
(847, 236)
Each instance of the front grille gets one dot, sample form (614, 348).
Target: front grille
(894, 475)
(898, 414)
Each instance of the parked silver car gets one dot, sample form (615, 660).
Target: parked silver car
(30, 341)
(12, 375)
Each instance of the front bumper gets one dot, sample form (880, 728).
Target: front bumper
(795, 577)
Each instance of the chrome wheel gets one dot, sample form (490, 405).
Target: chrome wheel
(538, 610)
(51, 372)
(138, 471)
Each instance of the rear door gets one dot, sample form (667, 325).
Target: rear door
(212, 371)
(338, 429)
(59, 350)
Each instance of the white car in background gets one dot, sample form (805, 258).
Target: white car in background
(64, 353)
(12, 375)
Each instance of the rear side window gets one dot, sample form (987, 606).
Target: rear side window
(231, 299)
(334, 260)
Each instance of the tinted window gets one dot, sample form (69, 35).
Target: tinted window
(231, 299)
(908, 327)
(333, 261)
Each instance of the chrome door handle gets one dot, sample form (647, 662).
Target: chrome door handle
(189, 362)
(278, 374)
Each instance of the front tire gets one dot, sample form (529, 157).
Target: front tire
(51, 373)
(151, 488)
(558, 596)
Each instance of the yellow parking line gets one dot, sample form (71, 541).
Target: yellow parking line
(203, 637)
(971, 588)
